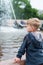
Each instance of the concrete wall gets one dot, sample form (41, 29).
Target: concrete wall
(11, 22)
(12, 62)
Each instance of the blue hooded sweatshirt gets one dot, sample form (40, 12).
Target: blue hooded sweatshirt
(33, 46)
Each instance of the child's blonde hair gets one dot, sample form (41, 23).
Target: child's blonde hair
(34, 21)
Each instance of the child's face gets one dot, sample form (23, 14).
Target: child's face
(30, 28)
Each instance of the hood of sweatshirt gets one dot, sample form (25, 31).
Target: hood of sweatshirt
(38, 35)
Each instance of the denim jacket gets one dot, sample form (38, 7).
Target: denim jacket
(33, 46)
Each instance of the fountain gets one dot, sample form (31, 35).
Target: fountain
(6, 11)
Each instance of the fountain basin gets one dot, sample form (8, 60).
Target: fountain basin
(10, 62)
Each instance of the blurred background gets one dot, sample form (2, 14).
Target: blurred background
(13, 17)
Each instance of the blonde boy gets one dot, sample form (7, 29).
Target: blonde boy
(32, 44)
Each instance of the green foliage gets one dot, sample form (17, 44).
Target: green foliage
(30, 12)
(34, 12)
(19, 11)
(26, 12)
(40, 16)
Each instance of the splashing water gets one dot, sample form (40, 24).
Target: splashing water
(6, 11)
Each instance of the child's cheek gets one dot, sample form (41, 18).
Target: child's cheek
(29, 29)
